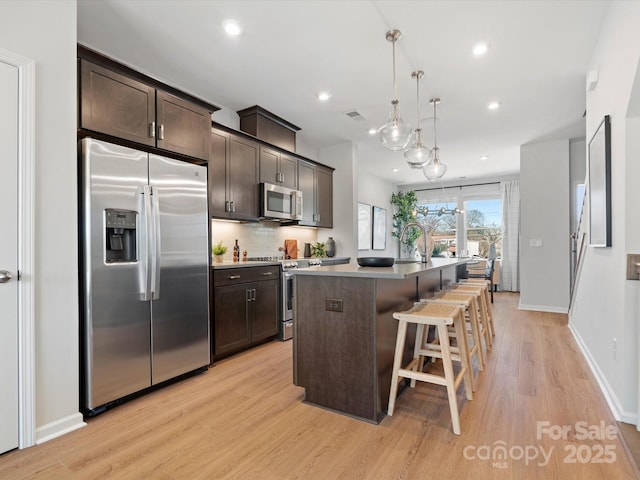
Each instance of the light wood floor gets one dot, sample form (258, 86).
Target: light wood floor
(244, 419)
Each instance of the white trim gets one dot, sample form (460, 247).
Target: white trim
(60, 427)
(542, 308)
(619, 413)
(26, 247)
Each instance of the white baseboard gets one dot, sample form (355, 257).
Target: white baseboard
(619, 413)
(59, 427)
(542, 308)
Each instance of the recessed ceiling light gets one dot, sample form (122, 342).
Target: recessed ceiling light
(373, 131)
(232, 28)
(323, 96)
(484, 157)
(394, 170)
(494, 105)
(480, 49)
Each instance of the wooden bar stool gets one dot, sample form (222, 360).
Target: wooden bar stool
(441, 316)
(486, 288)
(486, 316)
(468, 301)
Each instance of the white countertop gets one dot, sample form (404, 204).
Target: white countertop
(397, 271)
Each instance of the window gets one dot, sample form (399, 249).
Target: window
(442, 227)
(483, 226)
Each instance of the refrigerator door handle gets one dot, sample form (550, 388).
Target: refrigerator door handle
(145, 244)
(155, 228)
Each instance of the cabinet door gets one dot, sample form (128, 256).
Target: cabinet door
(242, 171)
(324, 198)
(232, 330)
(218, 174)
(269, 172)
(183, 127)
(116, 105)
(307, 185)
(264, 310)
(289, 171)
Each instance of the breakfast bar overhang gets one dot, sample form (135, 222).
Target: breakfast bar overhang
(345, 334)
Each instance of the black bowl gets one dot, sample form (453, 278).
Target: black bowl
(375, 261)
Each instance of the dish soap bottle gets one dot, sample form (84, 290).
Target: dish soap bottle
(236, 252)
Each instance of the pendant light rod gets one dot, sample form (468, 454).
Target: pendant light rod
(393, 36)
(435, 101)
(418, 74)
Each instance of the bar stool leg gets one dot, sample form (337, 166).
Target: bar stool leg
(418, 360)
(449, 378)
(460, 327)
(397, 364)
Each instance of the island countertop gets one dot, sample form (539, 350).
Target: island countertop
(396, 271)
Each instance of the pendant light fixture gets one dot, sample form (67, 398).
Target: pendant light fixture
(395, 134)
(434, 169)
(418, 155)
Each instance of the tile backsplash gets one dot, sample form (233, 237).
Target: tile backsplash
(260, 239)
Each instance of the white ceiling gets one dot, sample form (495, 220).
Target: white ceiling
(536, 66)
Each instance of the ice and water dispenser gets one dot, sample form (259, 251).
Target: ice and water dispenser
(120, 236)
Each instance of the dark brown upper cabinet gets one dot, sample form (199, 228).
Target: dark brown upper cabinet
(233, 176)
(316, 184)
(278, 168)
(122, 106)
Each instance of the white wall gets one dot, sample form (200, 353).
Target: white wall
(606, 304)
(45, 31)
(343, 158)
(544, 217)
(377, 192)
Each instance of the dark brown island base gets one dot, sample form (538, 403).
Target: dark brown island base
(345, 334)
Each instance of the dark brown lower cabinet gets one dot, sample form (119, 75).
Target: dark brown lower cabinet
(245, 308)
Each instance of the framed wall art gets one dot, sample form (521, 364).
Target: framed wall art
(364, 226)
(599, 185)
(379, 228)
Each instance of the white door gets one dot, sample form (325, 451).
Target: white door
(8, 257)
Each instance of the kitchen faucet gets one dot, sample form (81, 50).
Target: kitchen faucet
(423, 253)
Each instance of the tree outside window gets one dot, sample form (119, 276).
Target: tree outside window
(483, 226)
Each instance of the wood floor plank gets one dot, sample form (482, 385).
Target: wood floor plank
(244, 419)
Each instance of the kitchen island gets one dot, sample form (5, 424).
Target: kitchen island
(345, 333)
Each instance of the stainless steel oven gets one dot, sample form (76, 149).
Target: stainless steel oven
(288, 268)
(286, 324)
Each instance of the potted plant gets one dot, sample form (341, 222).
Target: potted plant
(318, 250)
(218, 251)
(405, 211)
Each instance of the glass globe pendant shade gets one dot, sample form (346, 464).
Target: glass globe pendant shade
(434, 170)
(395, 134)
(418, 155)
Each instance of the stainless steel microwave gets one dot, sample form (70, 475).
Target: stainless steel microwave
(280, 202)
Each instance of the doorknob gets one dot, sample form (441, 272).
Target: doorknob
(5, 276)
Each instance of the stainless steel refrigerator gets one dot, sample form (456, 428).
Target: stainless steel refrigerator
(144, 271)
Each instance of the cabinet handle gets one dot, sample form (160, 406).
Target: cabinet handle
(152, 130)
(253, 294)
(233, 277)
(161, 132)
(233, 207)
(267, 274)
(226, 206)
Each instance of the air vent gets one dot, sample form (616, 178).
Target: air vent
(354, 115)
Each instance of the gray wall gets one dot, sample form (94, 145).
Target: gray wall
(607, 306)
(544, 220)
(45, 31)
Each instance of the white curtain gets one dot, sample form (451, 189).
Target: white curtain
(510, 275)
